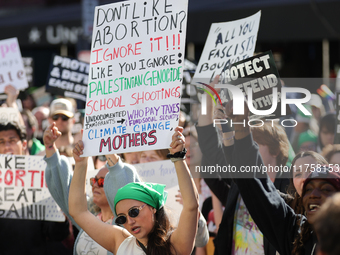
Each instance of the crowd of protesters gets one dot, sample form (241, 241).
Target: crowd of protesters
(263, 212)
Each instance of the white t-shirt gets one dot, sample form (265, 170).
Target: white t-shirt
(129, 247)
(87, 246)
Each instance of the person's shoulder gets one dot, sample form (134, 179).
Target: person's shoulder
(128, 166)
(129, 247)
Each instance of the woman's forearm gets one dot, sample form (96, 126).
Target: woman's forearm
(186, 186)
(77, 195)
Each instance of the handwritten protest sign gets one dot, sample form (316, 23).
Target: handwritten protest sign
(163, 172)
(8, 114)
(135, 76)
(12, 69)
(23, 190)
(227, 43)
(258, 73)
(68, 77)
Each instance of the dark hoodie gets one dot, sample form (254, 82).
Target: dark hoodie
(276, 220)
(225, 189)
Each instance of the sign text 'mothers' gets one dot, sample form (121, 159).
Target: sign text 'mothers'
(145, 122)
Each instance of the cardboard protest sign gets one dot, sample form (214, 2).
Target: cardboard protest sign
(8, 114)
(68, 77)
(162, 172)
(135, 79)
(227, 43)
(12, 71)
(23, 190)
(258, 73)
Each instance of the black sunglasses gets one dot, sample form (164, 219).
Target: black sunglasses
(63, 117)
(133, 213)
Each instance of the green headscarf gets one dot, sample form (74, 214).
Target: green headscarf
(150, 193)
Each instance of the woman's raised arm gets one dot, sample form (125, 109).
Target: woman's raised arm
(183, 238)
(110, 237)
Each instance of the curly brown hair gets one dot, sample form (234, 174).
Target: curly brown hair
(302, 238)
(306, 228)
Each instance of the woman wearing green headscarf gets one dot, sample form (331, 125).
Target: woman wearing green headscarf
(140, 210)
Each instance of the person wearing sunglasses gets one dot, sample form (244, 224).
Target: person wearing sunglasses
(144, 225)
(62, 114)
(58, 175)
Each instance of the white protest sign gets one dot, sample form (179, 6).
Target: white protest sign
(227, 43)
(12, 70)
(162, 172)
(9, 114)
(23, 190)
(135, 78)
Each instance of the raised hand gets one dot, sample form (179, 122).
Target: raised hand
(12, 95)
(51, 134)
(78, 151)
(178, 141)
